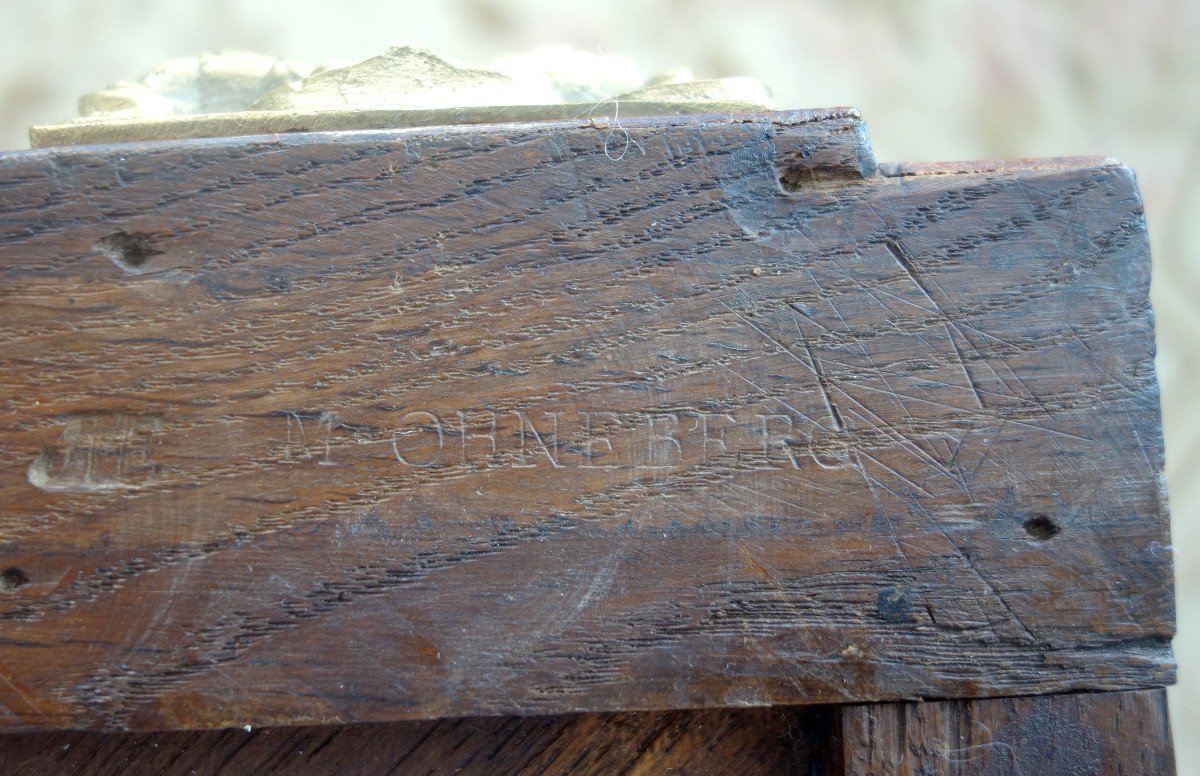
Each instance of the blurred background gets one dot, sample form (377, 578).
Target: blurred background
(936, 80)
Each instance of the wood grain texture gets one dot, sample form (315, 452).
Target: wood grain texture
(518, 420)
(712, 741)
(1080, 734)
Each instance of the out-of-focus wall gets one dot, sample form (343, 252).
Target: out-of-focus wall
(936, 79)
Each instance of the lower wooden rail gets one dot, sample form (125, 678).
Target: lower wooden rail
(1076, 734)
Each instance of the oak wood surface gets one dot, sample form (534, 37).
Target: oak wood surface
(713, 741)
(1076, 734)
(527, 419)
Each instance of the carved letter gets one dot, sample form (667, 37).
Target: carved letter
(328, 421)
(432, 421)
(663, 441)
(702, 419)
(99, 452)
(780, 442)
(524, 423)
(588, 453)
(831, 450)
(465, 435)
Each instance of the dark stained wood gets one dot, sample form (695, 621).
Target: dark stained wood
(1080, 734)
(502, 420)
(718, 742)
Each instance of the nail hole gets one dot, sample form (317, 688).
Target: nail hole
(12, 578)
(128, 251)
(1041, 527)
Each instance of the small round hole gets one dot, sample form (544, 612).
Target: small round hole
(12, 578)
(1041, 527)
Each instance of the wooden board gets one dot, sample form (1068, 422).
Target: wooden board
(780, 740)
(525, 419)
(1082, 733)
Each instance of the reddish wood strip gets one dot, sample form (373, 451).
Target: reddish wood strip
(431, 423)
